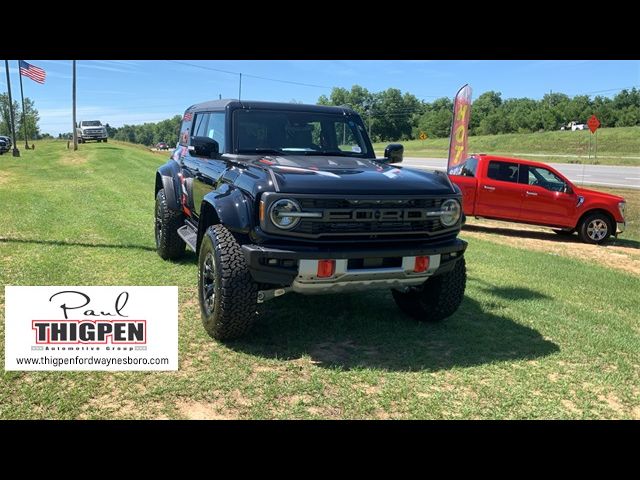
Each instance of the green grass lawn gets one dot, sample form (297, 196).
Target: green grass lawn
(538, 335)
(616, 146)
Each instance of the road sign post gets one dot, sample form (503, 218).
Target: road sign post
(593, 123)
(423, 137)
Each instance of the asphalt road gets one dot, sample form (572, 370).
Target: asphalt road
(605, 175)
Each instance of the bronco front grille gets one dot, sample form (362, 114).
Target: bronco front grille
(360, 216)
(371, 227)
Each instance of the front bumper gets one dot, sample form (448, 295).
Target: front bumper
(296, 268)
(621, 227)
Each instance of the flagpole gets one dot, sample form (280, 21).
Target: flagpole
(75, 132)
(16, 152)
(24, 112)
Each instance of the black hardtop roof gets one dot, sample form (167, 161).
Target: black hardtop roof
(251, 104)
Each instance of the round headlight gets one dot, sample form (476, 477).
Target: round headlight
(450, 212)
(279, 210)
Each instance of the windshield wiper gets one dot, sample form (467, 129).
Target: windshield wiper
(329, 153)
(258, 151)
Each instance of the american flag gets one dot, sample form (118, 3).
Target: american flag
(34, 73)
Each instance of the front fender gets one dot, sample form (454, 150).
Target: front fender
(598, 205)
(233, 208)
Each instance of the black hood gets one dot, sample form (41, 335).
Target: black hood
(344, 175)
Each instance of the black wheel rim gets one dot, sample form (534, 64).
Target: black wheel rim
(208, 283)
(158, 225)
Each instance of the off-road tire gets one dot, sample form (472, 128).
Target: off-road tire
(169, 245)
(437, 298)
(232, 310)
(594, 220)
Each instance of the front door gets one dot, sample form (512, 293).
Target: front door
(545, 199)
(206, 171)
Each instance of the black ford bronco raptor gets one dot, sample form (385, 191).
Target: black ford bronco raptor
(284, 197)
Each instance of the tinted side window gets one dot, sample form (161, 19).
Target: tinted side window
(545, 178)
(470, 166)
(200, 125)
(215, 129)
(465, 169)
(503, 171)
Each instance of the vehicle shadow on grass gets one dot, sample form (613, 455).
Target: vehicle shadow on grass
(537, 235)
(625, 242)
(64, 243)
(367, 330)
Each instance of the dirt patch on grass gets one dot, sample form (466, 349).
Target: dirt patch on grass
(612, 402)
(5, 177)
(73, 159)
(570, 407)
(216, 410)
(111, 405)
(544, 240)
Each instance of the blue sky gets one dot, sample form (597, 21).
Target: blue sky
(130, 91)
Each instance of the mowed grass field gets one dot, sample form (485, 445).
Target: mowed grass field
(540, 334)
(616, 146)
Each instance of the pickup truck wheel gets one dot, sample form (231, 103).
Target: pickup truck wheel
(595, 228)
(168, 243)
(105, 140)
(228, 295)
(437, 298)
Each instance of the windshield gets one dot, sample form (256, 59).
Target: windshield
(92, 123)
(300, 133)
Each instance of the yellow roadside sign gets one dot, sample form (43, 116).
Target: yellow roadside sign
(423, 136)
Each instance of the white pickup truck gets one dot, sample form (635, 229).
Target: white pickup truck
(91, 130)
(573, 126)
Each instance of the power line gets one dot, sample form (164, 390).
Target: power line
(608, 90)
(290, 82)
(204, 68)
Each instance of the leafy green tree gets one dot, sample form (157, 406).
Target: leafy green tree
(32, 117)
(5, 115)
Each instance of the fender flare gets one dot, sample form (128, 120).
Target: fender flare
(167, 179)
(228, 206)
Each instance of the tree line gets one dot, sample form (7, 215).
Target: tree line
(32, 118)
(391, 115)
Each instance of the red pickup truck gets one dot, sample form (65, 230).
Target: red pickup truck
(531, 192)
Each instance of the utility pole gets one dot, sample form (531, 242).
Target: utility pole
(16, 152)
(240, 88)
(24, 111)
(75, 133)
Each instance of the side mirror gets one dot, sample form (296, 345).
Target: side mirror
(205, 147)
(393, 153)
